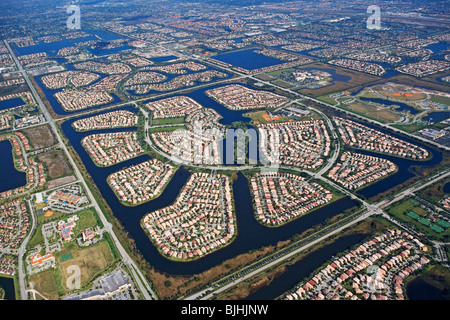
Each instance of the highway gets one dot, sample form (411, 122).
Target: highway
(142, 284)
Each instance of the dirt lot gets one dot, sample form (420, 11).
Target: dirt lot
(382, 115)
(40, 137)
(91, 261)
(56, 164)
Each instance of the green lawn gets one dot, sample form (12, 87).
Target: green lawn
(158, 122)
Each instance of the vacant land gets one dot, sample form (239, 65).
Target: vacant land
(40, 137)
(56, 164)
(369, 111)
(91, 261)
(411, 127)
(44, 282)
(435, 193)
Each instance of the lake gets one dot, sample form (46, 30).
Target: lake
(419, 289)
(446, 187)
(247, 59)
(11, 103)
(11, 177)
(437, 116)
(8, 285)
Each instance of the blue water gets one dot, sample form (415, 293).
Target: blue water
(11, 178)
(446, 188)
(401, 106)
(251, 234)
(164, 58)
(247, 59)
(8, 285)
(301, 269)
(437, 116)
(418, 289)
(438, 47)
(11, 103)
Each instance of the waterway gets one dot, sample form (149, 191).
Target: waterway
(298, 271)
(11, 177)
(251, 234)
(419, 289)
(8, 285)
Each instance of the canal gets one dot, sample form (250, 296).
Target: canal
(251, 234)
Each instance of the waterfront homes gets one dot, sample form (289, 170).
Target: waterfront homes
(178, 68)
(145, 77)
(200, 221)
(302, 144)
(367, 67)
(72, 100)
(14, 223)
(185, 80)
(173, 107)
(375, 270)
(109, 120)
(366, 138)
(65, 78)
(446, 203)
(105, 68)
(108, 83)
(237, 97)
(280, 197)
(354, 170)
(107, 149)
(424, 68)
(34, 170)
(142, 182)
